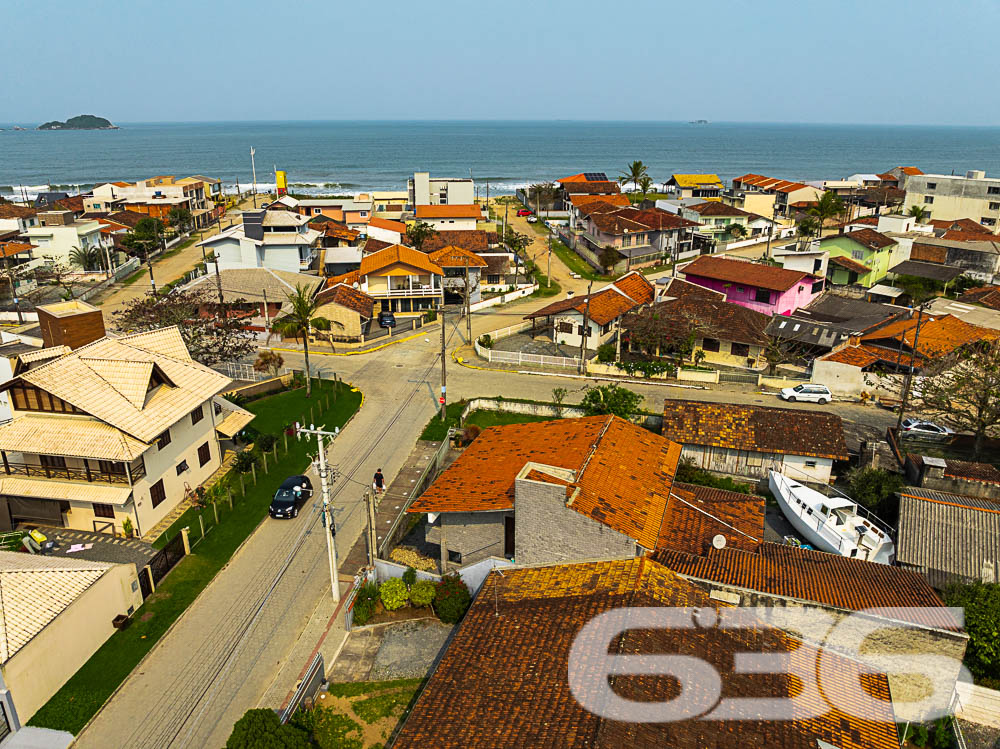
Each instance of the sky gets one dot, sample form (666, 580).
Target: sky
(853, 61)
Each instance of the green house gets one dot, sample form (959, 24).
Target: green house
(861, 257)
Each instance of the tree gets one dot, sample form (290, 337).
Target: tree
(875, 488)
(179, 218)
(558, 396)
(633, 173)
(808, 226)
(543, 195)
(418, 233)
(270, 362)
(645, 184)
(260, 728)
(145, 237)
(963, 390)
(736, 230)
(610, 399)
(516, 242)
(87, 258)
(778, 351)
(918, 212)
(58, 275)
(209, 330)
(300, 322)
(828, 206)
(608, 258)
(981, 603)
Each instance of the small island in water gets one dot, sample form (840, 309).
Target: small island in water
(80, 122)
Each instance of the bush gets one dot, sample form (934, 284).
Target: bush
(606, 353)
(610, 399)
(261, 729)
(422, 593)
(647, 368)
(266, 441)
(470, 433)
(451, 599)
(409, 577)
(430, 316)
(486, 341)
(876, 488)
(689, 473)
(245, 461)
(981, 603)
(364, 604)
(394, 594)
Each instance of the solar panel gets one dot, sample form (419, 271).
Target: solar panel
(595, 176)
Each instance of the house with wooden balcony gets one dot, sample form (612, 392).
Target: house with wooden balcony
(402, 280)
(119, 428)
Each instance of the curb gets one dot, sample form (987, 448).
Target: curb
(353, 353)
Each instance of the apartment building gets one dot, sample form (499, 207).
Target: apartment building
(58, 234)
(423, 189)
(947, 197)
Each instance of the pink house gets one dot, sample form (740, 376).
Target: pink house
(764, 288)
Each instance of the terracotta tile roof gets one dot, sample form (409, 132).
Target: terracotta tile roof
(473, 240)
(374, 245)
(503, 680)
(785, 431)
(456, 257)
(929, 253)
(598, 204)
(963, 469)
(870, 239)
(619, 200)
(350, 278)
(958, 224)
(770, 184)
(745, 273)
(592, 188)
(347, 296)
(128, 219)
(829, 579)
(910, 170)
(72, 203)
(713, 316)
(971, 236)
(607, 304)
(13, 210)
(717, 208)
(850, 264)
(678, 288)
(9, 249)
(688, 528)
(449, 211)
(938, 336)
(867, 220)
(337, 230)
(398, 253)
(585, 177)
(887, 177)
(637, 287)
(860, 356)
(988, 296)
(636, 219)
(384, 223)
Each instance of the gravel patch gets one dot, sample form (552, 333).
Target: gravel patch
(410, 649)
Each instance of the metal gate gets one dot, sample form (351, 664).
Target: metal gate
(145, 582)
(104, 526)
(166, 558)
(741, 377)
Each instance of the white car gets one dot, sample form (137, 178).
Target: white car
(926, 428)
(533, 220)
(806, 392)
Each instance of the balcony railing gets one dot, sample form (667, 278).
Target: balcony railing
(378, 293)
(86, 473)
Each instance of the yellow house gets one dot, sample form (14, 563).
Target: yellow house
(401, 279)
(704, 186)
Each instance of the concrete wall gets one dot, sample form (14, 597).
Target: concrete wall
(546, 531)
(47, 661)
(842, 379)
(895, 639)
(474, 535)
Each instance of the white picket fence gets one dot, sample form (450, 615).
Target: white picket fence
(518, 357)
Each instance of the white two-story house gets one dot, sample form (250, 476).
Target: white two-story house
(279, 240)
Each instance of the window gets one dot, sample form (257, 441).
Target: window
(932, 185)
(817, 264)
(363, 214)
(197, 415)
(858, 254)
(993, 190)
(810, 464)
(30, 398)
(181, 467)
(163, 440)
(317, 211)
(995, 206)
(987, 221)
(740, 290)
(156, 493)
(739, 349)
(581, 332)
(929, 199)
(627, 240)
(103, 511)
(817, 286)
(606, 329)
(565, 327)
(204, 454)
(52, 461)
(492, 278)
(762, 295)
(111, 468)
(710, 344)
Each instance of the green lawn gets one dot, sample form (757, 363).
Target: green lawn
(576, 263)
(86, 691)
(482, 418)
(143, 271)
(553, 289)
(635, 197)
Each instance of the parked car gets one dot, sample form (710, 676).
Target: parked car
(807, 392)
(524, 212)
(926, 428)
(532, 219)
(386, 319)
(289, 498)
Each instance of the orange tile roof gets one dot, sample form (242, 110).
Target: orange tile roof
(691, 524)
(347, 296)
(350, 278)
(745, 272)
(637, 287)
(619, 201)
(938, 336)
(770, 184)
(606, 305)
(449, 211)
(910, 170)
(785, 431)
(957, 224)
(988, 296)
(929, 253)
(858, 356)
(592, 188)
(14, 210)
(456, 257)
(398, 253)
(503, 680)
(970, 236)
(9, 249)
(870, 239)
(830, 579)
(850, 264)
(384, 223)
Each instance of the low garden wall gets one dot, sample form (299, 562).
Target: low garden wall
(651, 420)
(522, 291)
(263, 387)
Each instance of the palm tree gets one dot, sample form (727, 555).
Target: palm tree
(633, 173)
(86, 258)
(736, 230)
(808, 226)
(918, 212)
(645, 183)
(300, 322)
(829, 205)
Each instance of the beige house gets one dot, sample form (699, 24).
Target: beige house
(54, 613)
(402, 280)
(121, 428)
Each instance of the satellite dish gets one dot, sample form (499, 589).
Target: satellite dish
(719, 542)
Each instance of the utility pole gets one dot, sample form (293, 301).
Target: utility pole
(444, 373)
(218, 283)
(253, 168)
(149, 264)
(327, 515)
(548, 264)
(468, 303)
(585, 330)
(267, 319)
(909, 374)
(770, 231)
(370, 508)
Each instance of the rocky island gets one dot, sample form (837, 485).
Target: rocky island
(80, 122)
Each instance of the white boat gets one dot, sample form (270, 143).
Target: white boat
(833, 524)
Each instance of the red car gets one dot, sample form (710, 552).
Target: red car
(524, 212)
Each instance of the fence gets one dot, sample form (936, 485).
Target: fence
(314, 677)
(243, 372)
(518, 358)
(423, 481)
(166, 558)
(522, 291)
(751, 378)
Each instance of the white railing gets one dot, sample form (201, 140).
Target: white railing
(403, 292)
(517, 357)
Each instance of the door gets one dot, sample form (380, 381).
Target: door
(508, 536)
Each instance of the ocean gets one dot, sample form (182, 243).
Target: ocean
(350, 157)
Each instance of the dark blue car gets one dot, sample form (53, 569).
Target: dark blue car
(292, 493)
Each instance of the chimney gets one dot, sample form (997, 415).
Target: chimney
(74, 323)
(933, 468)
(55, 218)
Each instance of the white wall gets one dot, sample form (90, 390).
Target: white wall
(451, 224)
(385, 235)
(798, 467)
(842, 379)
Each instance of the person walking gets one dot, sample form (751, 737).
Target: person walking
(378, 483)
